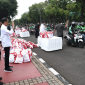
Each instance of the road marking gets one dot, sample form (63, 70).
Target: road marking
(34, 53)
(41, 60)
(53, 71)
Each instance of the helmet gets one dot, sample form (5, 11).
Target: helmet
(73, 22)
(76, 23)
(82, 23)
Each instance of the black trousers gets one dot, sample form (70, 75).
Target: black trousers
(60, 36)
(36, 33)
(7, 50)
(0, 54)
(72, 37)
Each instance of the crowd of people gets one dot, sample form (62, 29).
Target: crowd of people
(71, 27)
(36, 28)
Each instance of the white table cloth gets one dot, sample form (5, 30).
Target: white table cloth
(50, 44)
(0, 37)
(25, 34)
(17, 31)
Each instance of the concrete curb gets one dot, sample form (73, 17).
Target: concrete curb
(62, 79)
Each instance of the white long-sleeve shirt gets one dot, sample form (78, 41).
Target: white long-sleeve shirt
(5, 36)
(42, 28)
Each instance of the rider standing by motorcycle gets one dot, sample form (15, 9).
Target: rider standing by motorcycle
(72, 29)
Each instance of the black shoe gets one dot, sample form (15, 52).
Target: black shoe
(10, 66)
(1, 83)
(0, 78)
(8, 70)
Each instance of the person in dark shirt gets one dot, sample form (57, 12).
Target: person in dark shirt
(8, 27)
(60, 27)
(0, 24)
(37, 30)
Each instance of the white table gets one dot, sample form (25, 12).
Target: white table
(50, 44)
(0, 37)
(25, 34)
(17, 31)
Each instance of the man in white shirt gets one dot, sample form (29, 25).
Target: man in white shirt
(6, 42)
(1, 83)
(42, 27)
(0, 39)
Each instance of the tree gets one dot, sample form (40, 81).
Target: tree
(34, 13)
(8, 8)
(82, 4)
(74, 11)
(60, 9)
(53, 10)
(24, 19)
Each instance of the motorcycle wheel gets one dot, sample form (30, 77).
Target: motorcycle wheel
(81, 44)
(68, 42)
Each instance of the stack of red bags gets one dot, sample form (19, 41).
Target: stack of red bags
(20, 55)
(15, 35)
(23, 30)
(17, 29)
(46, 34)
(19, 51)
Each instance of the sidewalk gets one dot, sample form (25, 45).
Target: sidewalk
(48, 78)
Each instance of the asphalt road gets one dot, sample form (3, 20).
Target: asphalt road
(69, 62)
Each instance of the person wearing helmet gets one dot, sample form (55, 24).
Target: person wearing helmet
(78, 27)
(72, 29)
(82, 27)
(83, 30)
(47, 28)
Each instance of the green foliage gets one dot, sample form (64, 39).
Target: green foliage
(53, 10)
(33, 13)
(8, 8)
(82, 7)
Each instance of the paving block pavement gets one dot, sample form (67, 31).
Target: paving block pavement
(47, 76)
